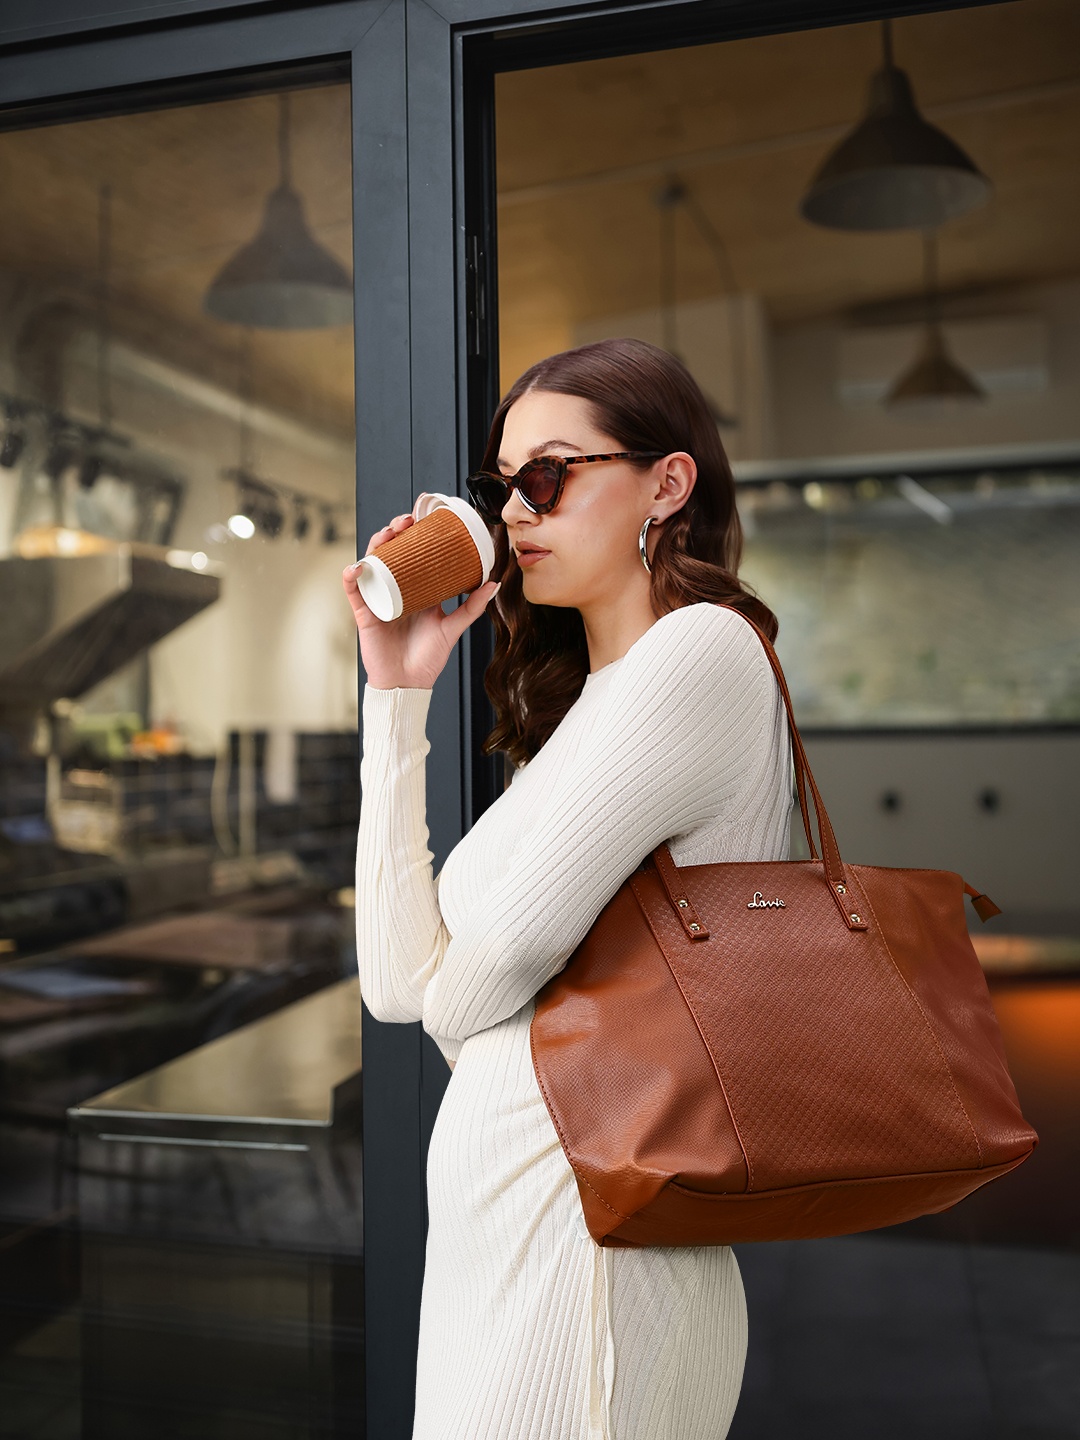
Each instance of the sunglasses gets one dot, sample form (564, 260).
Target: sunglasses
(539, 482)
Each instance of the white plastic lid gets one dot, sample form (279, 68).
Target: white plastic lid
(376, 583)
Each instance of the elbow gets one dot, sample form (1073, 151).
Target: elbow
(458, 1004)
(389, 1008)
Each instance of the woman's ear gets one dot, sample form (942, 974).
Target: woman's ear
(676, 475)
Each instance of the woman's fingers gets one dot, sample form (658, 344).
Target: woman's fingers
(399, 523)
(458, 621)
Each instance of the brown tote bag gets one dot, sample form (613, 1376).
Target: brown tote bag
(776, 1050)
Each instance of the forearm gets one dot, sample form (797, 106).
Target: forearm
(400, 936)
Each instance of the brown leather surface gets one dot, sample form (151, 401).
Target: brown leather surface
(432, 560)
(796, 1072)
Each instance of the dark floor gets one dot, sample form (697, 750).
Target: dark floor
(40, 1384)
(901, 1339)
(960, 1326)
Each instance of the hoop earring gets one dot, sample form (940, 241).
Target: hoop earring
(641, 543)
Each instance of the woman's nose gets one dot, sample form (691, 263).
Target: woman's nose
(514, 512)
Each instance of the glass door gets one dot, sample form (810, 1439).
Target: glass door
(180, 1191)
(914, 527)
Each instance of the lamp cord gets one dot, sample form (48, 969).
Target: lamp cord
(284, 165)
(104, 392)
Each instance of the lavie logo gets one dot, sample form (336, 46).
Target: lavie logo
(758, 903)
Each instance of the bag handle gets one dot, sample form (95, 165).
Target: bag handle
(804, 779)
(835, 874)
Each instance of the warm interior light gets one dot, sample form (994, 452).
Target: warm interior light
(42, 540)
(242, 526)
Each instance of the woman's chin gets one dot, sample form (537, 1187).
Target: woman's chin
(537, 591)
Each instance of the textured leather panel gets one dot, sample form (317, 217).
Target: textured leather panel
(819, 1057)
(820, 1042)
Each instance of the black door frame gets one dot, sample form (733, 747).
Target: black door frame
(424, 239)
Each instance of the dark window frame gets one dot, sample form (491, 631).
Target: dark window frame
(426, 360)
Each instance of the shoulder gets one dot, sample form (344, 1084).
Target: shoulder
(705, 644)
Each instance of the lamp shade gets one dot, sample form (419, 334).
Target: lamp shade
(283, 279)
(935, 378)
(895, 171)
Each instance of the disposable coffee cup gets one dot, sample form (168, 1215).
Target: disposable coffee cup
(447, 552)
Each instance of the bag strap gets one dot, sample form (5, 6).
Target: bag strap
(833, 865)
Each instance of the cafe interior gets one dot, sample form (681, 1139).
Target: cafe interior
(895, 373)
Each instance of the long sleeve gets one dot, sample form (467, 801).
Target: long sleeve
(400, 935)
(684, 725)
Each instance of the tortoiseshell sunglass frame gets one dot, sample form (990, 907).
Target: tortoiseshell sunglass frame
(484, 479)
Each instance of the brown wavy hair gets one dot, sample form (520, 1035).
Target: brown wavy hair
(644, 399)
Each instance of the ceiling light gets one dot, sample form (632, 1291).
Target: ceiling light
(895, 171)
(924, 500)
(240, 525)
(270, 517)
(90, 468)
(283, 279)
(11, 447)
(59, 456)
(935, 379)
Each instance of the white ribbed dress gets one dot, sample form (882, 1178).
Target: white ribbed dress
(528, 1330)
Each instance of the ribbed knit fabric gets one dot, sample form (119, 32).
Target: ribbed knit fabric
(682, 739)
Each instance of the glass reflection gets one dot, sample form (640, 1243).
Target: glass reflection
(179, 1029)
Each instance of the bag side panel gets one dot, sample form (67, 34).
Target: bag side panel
(921, 914)
(626, 1079)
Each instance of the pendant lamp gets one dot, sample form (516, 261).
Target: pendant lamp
(895, 171)
(283, 279)
(935, 379)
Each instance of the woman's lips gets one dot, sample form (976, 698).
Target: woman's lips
(530, 557)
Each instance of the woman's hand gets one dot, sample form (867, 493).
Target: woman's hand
(409, 654)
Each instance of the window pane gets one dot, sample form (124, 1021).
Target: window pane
(920, 550)
(179, 1017)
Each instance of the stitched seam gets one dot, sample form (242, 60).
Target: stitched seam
(779, 1191)
(693, 1015)
(929, 1026)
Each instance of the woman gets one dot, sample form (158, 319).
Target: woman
(636, 710)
